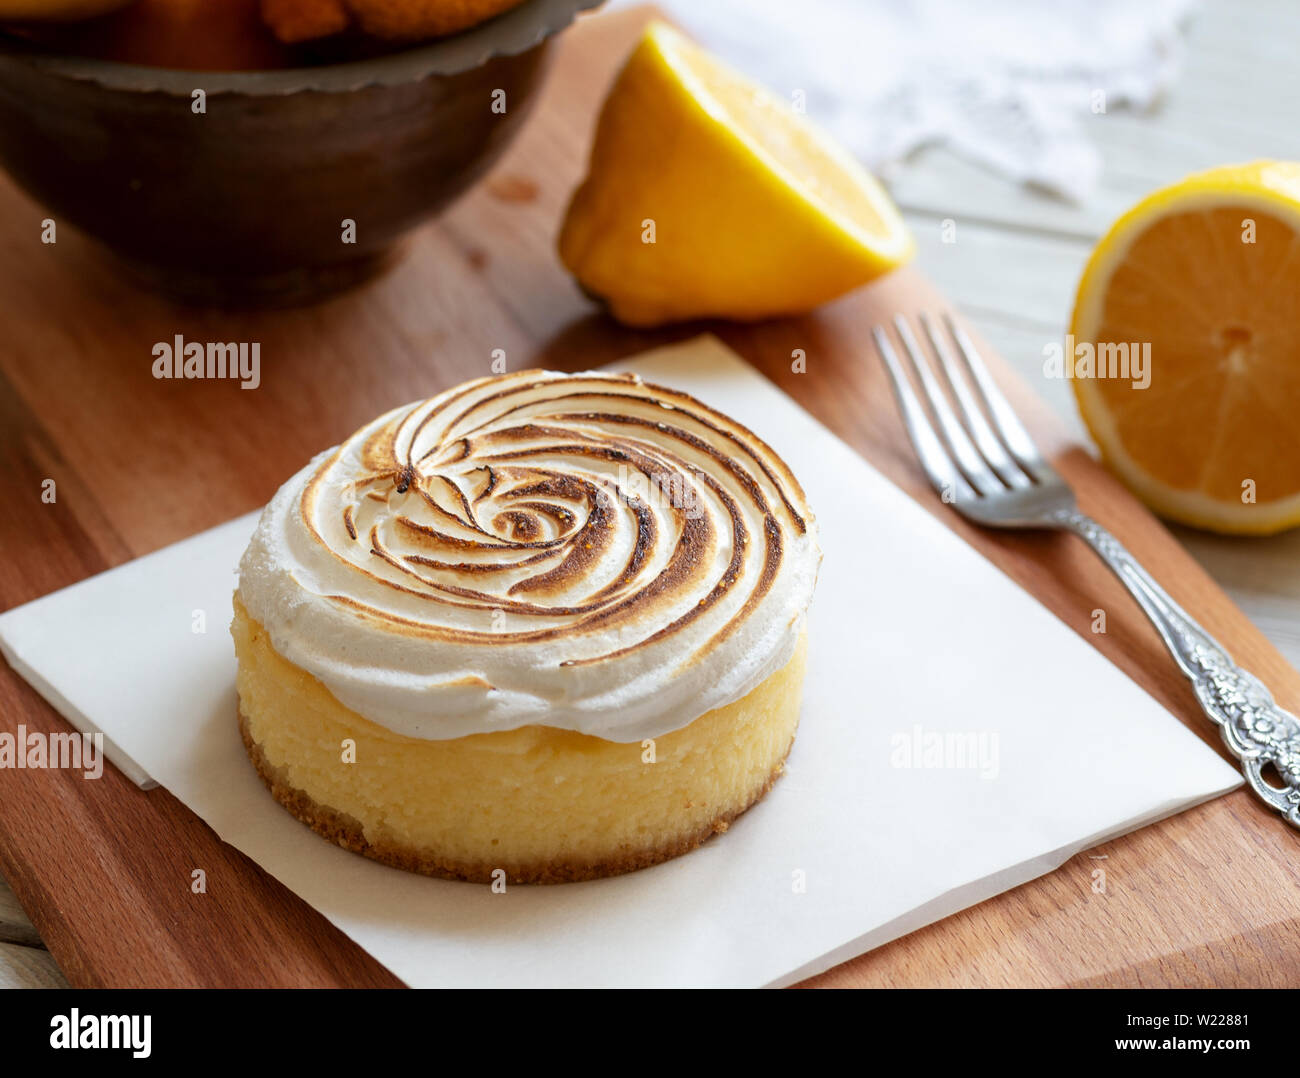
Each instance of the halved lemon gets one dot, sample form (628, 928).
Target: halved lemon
(707, 195)
(1202, 277)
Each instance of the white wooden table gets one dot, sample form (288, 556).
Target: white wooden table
(1018, 255)
(1017, 258)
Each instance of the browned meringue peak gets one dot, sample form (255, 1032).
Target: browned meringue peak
(606, 554)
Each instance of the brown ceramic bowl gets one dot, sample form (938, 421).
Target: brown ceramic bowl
(246, 202)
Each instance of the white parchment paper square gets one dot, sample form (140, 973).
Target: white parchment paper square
(910, 634)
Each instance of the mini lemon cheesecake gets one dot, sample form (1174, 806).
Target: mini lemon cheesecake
(545, 625)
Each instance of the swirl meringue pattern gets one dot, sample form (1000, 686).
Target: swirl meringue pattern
(584, 552)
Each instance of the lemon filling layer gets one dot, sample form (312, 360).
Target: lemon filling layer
(540, 803)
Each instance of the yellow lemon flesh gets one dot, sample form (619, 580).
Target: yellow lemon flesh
(58, 10)
(708, 196)
(1207, 274)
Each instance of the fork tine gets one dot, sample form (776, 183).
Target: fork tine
(985, 440)
(954, 434)
(1005, 421)
(943, 473)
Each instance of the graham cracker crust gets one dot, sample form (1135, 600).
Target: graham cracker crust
(344, 830)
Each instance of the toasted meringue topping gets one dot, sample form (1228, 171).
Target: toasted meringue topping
(589, 552)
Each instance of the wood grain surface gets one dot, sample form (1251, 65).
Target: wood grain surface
(1209, 897)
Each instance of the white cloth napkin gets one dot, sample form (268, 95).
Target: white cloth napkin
(1002, 82)
(920, 649)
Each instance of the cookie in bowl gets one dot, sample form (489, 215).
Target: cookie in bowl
(57, 10)
(299, 171)
(390, 20)
(543, 623)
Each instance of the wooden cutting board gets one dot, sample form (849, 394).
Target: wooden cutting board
(1209, 897)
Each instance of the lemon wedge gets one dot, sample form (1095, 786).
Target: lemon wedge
(708, 196)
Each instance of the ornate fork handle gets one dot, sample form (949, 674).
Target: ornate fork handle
(1257, 731)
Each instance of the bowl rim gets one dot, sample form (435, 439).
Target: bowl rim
(512, 32)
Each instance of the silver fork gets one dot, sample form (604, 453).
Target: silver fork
(989, 469)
